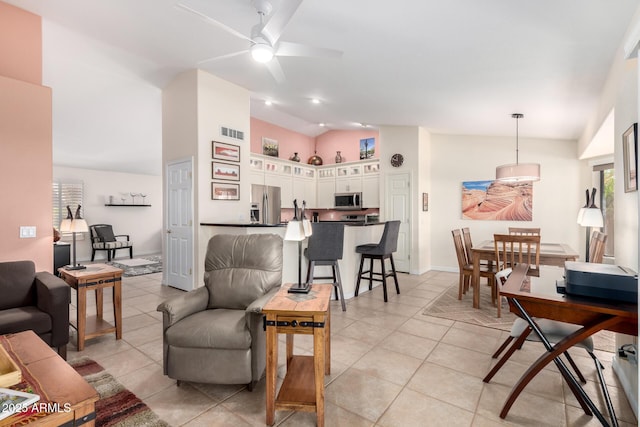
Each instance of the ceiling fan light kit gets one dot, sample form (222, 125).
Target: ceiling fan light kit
(262, 52)
(518, 172)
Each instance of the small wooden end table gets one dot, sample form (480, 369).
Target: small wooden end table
(67, 398)
(95, 277)
(303, 386)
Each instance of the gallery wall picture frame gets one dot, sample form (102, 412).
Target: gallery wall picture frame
(225, 191)
(630, 158)
(226, 171)
(367, 148)
(425, 202)
(269, 147)
(224, 151)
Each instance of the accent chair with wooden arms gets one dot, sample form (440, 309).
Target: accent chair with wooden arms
(215, 333)
(37, 301)
(103, 239)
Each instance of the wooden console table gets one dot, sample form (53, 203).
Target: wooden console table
(303, 386)
(95, 277)
(65, 397)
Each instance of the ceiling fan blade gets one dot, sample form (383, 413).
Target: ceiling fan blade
(276, 70)
(296, 49)
(212, 21)
(229, 55)
(274, 27)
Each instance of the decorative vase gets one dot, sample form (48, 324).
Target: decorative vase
(315, 160)
(295, 157)
(338, 157)
(56, 235)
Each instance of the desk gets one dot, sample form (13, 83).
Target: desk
(303, 385)
(550, 254)
(52, 378)
(95, 277)
(536, 297)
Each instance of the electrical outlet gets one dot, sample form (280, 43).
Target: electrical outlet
(27, 231)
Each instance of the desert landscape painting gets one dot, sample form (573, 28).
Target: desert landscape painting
(498, 201)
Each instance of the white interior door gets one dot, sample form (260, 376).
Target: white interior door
(179, 226)
(399, 208)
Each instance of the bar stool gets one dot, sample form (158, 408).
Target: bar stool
(325, 248)
(382, 250)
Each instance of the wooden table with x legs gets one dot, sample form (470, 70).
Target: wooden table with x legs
(303, 386)
(550, 254)
(536, 297)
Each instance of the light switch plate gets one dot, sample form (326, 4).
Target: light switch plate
(27, 231)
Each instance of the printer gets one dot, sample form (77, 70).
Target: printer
(605, 281)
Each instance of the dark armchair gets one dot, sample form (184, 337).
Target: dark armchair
(103, 239)
(34, 301)
(214, 334)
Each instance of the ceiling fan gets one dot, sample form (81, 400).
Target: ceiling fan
(265, 44)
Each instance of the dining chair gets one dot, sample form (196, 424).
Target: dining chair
(512, 249)
(465, 266)
(468, 244)
(524, 231)
(596, 246)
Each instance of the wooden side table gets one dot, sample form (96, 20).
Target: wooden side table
(95, 277)
(303, 386)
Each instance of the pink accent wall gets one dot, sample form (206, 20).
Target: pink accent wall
(20, 44)
(289, 141)
(25, 140)
(347, 141)
(327, 144)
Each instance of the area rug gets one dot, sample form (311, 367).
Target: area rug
(448, 306)
(139, 266)
(117, 405)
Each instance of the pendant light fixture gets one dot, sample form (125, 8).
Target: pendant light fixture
(518, 172)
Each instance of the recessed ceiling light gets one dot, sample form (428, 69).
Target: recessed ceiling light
(268, 103)
(322, 124)
(315, 101)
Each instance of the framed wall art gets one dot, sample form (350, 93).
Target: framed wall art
(226, 171)
(223, 151)
(269, 147)
(497, 201)
(630, 158)
(225, 191)
(367, 148)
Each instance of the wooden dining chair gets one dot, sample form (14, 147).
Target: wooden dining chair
(596, 246)
(466, 268)
(512, 249)
(524, 231)
(468, 244)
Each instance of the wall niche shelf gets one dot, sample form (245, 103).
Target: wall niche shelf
(108, 204)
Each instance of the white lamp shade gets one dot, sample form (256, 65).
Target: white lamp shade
(79, 226)
(592, 217)
(306, 226)
(518, 172)
(295, 231)
(65, 225)
(581, 215)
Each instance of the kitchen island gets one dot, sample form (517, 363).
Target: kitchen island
(355, 233)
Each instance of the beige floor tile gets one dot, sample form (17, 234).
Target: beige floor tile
(410, 345)
(384, 320)
(388, 365)
(218, 392)
(347, 350)
(143, 335)
(453, 387)
(124, 363)
(153, 350)
(334, 416)
(618, 398)
(99, 347)
(362, 394)
(471, 340)
(461, 359)
(146, 381)
(365, 332)
(423, 329)
(179, 405)
(218, 416)
(414, 409)
(251, 405)
(136, 322)
(546, 384)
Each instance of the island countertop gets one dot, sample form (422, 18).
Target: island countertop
(284, 224)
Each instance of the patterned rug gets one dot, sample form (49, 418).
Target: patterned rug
(117, 405)
(448, 306)
(155, 266)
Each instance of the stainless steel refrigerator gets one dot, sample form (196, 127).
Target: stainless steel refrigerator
(266, 201)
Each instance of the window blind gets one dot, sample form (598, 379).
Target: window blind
(66, 194)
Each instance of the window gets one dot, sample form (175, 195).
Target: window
(606, 180)
(66, 194)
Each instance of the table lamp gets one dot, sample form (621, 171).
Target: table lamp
(591, 217)
(74, 225)
(296, 233)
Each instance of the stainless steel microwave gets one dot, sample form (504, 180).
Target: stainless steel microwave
(347, 201)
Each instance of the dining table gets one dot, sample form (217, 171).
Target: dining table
(533, 298)
(554, 254)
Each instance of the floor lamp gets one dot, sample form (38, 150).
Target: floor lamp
(74, 225)
(590, 216)
(297, 232)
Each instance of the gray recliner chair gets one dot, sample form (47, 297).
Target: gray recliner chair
(214, 334)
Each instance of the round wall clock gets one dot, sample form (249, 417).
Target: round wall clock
(397, 160)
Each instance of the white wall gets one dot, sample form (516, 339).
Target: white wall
(143, 224)
(456, 158)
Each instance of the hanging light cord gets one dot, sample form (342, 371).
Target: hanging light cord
(517, 116)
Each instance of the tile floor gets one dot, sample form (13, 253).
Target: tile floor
(390, 366)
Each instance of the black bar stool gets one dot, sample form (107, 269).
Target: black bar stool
(382, 250)
(325, 248)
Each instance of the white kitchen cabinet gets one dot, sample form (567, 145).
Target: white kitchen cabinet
(371, 191)
(324, 196)
(348, 185)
